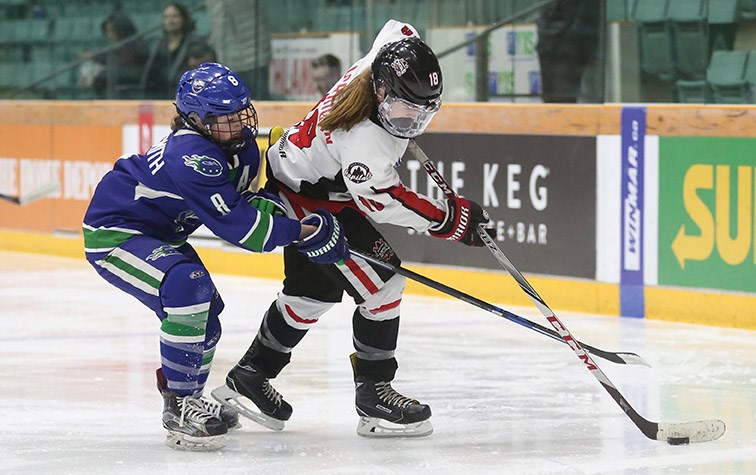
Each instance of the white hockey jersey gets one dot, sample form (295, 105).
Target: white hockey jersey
(355, 168)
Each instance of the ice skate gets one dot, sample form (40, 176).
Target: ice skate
(224, 413)
(190, 426)
(249, 392)
(386, 413)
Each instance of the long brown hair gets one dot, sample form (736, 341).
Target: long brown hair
(351, 105)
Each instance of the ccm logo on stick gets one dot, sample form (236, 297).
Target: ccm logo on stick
(571, 342)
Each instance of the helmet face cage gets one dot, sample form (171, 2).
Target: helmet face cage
(408, 73)
(232, 131)
(216, 103)
(405, 119)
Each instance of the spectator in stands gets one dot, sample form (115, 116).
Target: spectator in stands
(199, 53)
(241, 38)
(122, 66)
(326, 71)
(37, 10)
(168, 55)
(568, 36)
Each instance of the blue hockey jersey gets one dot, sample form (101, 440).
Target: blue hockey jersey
(182, 182)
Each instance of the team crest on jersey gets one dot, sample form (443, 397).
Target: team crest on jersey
(382, 250)
(162, 251)
(203, 164)
(358, 172)
(400, 66)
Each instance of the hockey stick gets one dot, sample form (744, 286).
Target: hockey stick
(34, 195)
(619, 358)
(673, 433)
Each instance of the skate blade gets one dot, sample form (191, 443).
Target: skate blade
(236, 426)
(375, 427)
(179, 441)
(229, 397)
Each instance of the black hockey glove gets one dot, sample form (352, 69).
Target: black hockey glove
(265, 201)
(327, 245)
(461, 222)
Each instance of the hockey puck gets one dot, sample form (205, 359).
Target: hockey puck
(678, 440)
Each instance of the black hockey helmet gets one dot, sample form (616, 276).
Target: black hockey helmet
(408, 72)
(409, 69)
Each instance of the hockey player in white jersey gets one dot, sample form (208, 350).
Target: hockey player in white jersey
(342, 157)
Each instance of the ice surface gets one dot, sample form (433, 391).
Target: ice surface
(78, 389)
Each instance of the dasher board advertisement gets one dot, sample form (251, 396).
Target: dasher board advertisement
(707, 222)
(540, 192)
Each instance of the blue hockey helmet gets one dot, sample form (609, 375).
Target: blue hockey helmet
(210, 91)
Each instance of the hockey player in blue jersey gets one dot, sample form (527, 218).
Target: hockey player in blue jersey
(137, 224)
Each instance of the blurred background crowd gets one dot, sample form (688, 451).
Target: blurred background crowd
(590, 51)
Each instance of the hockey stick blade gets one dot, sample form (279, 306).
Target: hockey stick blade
(676, 433)
(615, 357)
(702, 431)
(43, 191)
(691, 432)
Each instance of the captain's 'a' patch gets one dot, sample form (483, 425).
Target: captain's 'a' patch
(203, 164)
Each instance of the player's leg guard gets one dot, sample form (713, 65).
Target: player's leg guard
(375, 327)
(284, 325)
(186, 295)
(212, 335)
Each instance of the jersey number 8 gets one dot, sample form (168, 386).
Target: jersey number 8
(220, 205)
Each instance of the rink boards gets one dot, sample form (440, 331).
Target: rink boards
(639, 211)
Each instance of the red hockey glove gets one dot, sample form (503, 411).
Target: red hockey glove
(461, 222)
